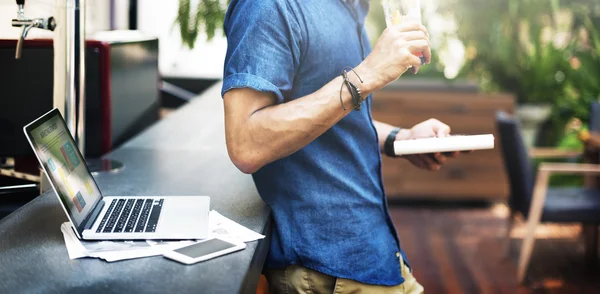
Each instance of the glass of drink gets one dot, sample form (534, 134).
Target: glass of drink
(403, 11)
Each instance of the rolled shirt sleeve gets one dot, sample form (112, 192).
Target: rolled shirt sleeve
(263, 47)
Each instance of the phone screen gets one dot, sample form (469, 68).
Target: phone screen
(204, 248)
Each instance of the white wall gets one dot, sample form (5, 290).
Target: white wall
(121, 13)
(156, 18)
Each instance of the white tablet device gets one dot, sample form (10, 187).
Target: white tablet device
(204, 250)
(444, 144)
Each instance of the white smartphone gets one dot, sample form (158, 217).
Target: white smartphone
(204, 250)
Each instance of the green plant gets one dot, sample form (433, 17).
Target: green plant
(585, 80)
(517, 55)
(583, 86)
(207, 16)
(531, 48)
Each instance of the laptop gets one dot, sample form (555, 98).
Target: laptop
(98, 217)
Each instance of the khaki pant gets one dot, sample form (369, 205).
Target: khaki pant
(301, 280)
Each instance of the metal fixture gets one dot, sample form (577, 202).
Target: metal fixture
(69, 68)
(29, 23)
(69, 76)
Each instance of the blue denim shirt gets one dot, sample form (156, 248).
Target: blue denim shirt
(327, 199)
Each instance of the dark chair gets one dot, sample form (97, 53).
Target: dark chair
(530, 195)
(595, 117)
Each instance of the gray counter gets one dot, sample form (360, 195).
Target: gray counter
(183, 154)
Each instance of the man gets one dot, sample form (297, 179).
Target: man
(314, 159)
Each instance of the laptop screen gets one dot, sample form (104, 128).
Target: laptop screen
(64, 165)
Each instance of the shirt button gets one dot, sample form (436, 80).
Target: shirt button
(397, 254)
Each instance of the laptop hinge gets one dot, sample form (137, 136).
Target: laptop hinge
(89, 221)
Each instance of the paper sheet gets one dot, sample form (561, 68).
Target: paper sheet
(220, 226)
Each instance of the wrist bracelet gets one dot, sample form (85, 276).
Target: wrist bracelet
(388, 145)
(353, 89)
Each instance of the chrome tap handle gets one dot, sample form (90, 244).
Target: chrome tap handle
(26, 28)
(47, 24)
(19, 51)
(27, 24)
(51, 23)
(40, 23)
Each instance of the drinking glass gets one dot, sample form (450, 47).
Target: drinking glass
(403, 11)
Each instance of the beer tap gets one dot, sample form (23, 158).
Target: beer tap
(29, 23)
(69, 69)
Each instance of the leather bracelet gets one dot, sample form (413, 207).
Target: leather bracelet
(388, 145)
(357, 99)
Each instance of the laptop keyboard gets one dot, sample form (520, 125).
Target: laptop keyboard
(131, 215)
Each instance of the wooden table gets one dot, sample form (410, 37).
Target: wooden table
(590, 232)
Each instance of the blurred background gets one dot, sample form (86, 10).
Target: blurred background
(543, 52)
(526, 71)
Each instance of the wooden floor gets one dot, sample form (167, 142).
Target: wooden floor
(460, 250)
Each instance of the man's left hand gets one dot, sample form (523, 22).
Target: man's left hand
(427, 129)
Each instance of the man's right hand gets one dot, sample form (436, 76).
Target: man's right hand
(393, 54)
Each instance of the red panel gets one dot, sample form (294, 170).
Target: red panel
(105, 93)
(32, 43)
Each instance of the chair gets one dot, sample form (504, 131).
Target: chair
(530, 195)
(595, 117)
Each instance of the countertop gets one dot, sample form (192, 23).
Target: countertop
(183, 154)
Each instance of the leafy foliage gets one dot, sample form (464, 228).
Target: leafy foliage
(208, 15)
(512, 52)
(534, 49)
(585, 76)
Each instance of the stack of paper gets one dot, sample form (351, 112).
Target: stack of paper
(220, 226)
